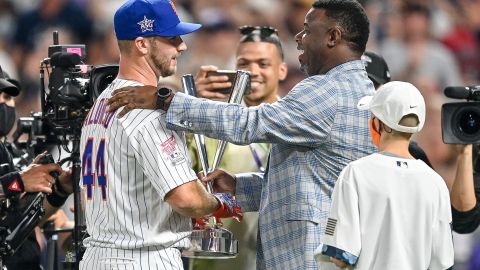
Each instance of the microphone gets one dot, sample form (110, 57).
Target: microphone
(65, 60)
(463, 92)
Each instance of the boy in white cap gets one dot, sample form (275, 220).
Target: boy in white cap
(389, 210)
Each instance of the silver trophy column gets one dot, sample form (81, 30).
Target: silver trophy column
(213, 242)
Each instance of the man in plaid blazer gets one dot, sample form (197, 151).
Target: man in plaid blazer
(315, 131)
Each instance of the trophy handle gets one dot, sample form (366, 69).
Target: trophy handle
(221, 147)
(202, 153)
(188, 84)
(242, 82)
(214, 242)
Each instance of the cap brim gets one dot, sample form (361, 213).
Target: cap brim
(15, 83)
(180, 29)
(8, 87)
(364, 103)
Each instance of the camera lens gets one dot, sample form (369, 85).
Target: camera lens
(469, 122)
(461, 122)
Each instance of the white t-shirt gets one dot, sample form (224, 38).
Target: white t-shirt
(391, 213)
(129, 164)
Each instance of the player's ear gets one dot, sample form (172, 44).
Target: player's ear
(142, 45)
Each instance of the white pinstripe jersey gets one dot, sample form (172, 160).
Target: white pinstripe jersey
(128, 166)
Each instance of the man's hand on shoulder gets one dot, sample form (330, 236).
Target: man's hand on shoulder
(133, 97)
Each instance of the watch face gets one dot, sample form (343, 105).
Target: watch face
(164, 92)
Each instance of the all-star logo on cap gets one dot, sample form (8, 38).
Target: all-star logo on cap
(150, 18)
(146, 24)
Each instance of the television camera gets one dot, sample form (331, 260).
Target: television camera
(72, 89)
(461, 120)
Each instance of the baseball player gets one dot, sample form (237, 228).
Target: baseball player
(137, 183)
(389, 210)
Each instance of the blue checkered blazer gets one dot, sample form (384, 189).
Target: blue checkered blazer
(315, 131)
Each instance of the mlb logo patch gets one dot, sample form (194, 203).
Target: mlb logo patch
(169, 148)
(402, 164)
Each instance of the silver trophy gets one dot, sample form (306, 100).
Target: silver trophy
(214, 242)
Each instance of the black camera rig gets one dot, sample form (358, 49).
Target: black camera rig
(72, 89)
(22, 217)
(461, 120)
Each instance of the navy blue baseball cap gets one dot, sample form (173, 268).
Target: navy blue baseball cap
(148, 18)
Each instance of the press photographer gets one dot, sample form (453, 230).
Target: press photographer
(20, 211)
(461, 126)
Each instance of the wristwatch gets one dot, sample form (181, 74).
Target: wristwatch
(162, 95)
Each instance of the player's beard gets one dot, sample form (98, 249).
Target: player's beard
(161, 63)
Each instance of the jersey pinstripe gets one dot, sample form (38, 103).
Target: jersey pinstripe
(128, 166)
(149, 258)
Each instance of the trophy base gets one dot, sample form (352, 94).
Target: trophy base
(212, 243)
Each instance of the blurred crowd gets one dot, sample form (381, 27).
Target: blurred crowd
(430, 43)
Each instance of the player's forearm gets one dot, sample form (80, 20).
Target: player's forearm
(462, 194)
(192, 200)
(202, 207)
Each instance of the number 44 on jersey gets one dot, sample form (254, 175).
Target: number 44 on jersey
(89, 175)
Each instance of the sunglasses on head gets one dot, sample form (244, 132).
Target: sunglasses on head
(265, 31)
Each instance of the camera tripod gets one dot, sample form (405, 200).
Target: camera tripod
(73, 259)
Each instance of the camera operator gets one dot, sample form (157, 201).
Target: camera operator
(34, 178)
(460, 127)
(464, 195)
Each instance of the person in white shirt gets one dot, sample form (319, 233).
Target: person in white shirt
(389, 210)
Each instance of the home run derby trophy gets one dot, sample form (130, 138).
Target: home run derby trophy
(214, 242)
